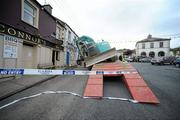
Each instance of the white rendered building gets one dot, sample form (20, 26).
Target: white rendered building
(153, 47)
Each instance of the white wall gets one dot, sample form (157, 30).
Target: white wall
(156, 49)
(73, 51)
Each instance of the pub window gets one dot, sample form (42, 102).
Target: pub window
(161, 44)
(57, 55)
(30, 13)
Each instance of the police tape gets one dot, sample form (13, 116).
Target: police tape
(64, 92)
(61, 72)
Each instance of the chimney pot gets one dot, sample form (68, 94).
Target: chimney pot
(48, 8)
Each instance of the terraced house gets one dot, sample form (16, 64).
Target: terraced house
(30, 36)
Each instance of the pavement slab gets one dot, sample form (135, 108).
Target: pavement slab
(13, 86)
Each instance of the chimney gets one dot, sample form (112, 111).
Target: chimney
(48, 8)
(149, 36)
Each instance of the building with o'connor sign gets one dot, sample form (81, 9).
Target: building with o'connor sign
(153, 47)
(31, 37)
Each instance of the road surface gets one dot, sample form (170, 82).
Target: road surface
(163, 80)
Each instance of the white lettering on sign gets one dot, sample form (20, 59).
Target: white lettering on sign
(11, 71)
(45, 72)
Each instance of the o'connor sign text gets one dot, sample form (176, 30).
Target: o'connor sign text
(20, 34)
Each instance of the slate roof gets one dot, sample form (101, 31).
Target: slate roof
(152, 39)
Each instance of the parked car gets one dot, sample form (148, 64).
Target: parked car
(147, 59)
(163, 60)
(177, 62)
(137, 58)
(156, 60)
(128, 59)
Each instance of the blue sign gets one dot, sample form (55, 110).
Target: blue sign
(99, 72)
(11, 71)
(118, 72)
(68, 72)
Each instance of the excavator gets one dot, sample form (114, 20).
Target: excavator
(89, 54)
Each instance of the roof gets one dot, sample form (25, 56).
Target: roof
(48, 5)
(42, 7)
(152, 39)
(55, 18)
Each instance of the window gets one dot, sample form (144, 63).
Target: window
(57, 55)
(74, 40)
(143, 46)
(62, 35)
(30, 13)
(138, 46)
(58, 32)
(69, 36)
(161, 44)
(152, 45)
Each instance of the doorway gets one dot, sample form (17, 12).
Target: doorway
(67, 58)
(161, 54)
(28, 56)
(53, 57)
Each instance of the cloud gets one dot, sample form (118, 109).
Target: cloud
(119, 21)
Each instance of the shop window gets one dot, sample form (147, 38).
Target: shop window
(30, 13)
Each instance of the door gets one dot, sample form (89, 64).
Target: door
(67, 58)
(28, 56)
(53, 57)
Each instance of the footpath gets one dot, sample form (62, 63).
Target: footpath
(12, 85)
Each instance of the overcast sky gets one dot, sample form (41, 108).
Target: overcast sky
(120, 22)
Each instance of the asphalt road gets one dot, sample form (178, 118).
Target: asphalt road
(163, 80)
